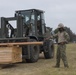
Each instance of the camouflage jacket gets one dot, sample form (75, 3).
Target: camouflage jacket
(62, 37)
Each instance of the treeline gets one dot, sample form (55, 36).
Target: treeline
(71, 34)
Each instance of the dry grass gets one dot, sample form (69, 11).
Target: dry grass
(45, 67)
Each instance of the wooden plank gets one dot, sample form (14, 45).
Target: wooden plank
(21, 43)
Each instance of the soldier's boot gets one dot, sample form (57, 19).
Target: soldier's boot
(57, 65)
(66, 64)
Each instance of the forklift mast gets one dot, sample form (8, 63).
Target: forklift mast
(4, 29)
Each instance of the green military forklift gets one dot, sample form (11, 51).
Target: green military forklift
(29, 35)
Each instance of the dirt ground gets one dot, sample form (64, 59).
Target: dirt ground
(44, 66)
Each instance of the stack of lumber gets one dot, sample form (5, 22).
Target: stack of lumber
(10, 54)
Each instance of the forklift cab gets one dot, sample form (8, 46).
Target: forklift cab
(34, 24)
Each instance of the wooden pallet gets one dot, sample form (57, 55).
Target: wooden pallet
(12, 52)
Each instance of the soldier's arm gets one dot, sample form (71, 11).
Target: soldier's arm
(67, 36)
(52, 37)
(55, 35)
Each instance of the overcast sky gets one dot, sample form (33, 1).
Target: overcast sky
(56, 11)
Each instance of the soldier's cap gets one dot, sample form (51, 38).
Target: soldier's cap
(60, 25)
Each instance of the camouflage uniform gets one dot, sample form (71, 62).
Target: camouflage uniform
(63, 38)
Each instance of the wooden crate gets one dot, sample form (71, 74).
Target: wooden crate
(10, 54)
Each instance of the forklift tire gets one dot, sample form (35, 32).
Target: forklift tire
(34, 52)
(48, 49)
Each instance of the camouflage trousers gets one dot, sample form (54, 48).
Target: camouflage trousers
(61, 54)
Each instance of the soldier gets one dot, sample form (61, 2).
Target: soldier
(9, 26)
(63, 38)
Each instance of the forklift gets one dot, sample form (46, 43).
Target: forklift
(28, 37)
